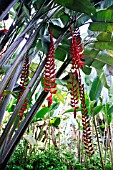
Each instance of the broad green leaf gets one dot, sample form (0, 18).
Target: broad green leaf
(97, 109)
(110, 110)
(82, 19)
(104, 81)
(54, 106)
(101, 26)
(65, 19)
(105, 36)
(96, 89)
(60, 54)
(108, 3)
(103, 45)
(41, 113)
(103, 15)
(71, 110)
(87, 70)
(98, 64)
(105, 58)
(78, 5)
(90, 55)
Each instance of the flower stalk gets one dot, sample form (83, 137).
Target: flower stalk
(77, 88)
(49, 72)
(24, 83)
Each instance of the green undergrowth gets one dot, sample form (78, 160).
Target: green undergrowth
(27, 158)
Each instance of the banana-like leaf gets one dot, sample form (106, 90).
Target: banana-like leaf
(96, 89)
(78, 5)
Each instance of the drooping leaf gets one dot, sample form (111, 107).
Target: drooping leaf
(78, 5)
(96, 89)
(41, 113)
(110, 110)
(97, 109)
(103, 78)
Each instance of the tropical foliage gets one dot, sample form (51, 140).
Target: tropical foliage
(56, 72)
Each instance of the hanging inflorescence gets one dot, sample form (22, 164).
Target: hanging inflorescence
(49, 72)
(77, 57)
(24, 83)
(77, 88)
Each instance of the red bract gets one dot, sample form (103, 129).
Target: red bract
(86, 123)
(77, 88)
(49, 72)
(24, 83)
(74, 91)
(79, 46)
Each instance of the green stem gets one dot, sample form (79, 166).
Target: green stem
(101, 160)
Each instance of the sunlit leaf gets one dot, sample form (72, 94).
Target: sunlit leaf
(97, 109)
(101, 26)
(96, 89)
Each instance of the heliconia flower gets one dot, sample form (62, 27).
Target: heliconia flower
(24, 84)
(49, 72)
(79, 44)
(85, 121)
(77, 88)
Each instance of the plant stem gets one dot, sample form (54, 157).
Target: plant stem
(10, 88)
(101, 160)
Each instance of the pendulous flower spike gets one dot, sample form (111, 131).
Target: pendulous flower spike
(49, 72)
